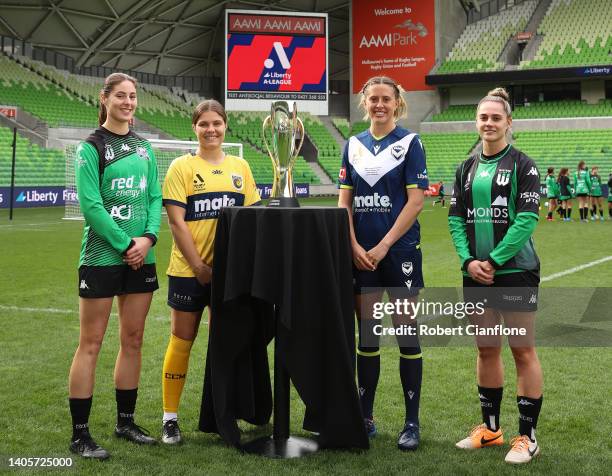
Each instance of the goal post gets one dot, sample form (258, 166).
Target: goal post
(165, 152)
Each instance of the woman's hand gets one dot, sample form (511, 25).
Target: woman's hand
(136, 255)
(378, 253)
(481, 271)
(203, 274)
(361, 259)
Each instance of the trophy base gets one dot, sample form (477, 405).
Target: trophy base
(284, 202)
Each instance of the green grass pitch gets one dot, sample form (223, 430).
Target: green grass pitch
(39, 318)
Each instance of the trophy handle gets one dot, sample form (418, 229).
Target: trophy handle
(301, 127)
(263, 133)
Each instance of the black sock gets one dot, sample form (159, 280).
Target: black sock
(593, 211)
(610, 212)
(601, 212)
(549, 214)
(563, 213)
(411, 375)
(582, 213)
(126, 404)
(569, 213)
(79, 411)
(368, 371)
(490, 404)
(529, 410)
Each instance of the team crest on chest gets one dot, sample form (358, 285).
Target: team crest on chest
(142, 153)
(503, 177)
(237, 181)
(398, 151)
(376, 148)
(109, 153)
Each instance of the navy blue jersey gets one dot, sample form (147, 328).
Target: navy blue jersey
(379, 171)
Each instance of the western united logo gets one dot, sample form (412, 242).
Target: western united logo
(398, 151)
(109, 153)
(503, 177)
(142, 153)
(237, 181)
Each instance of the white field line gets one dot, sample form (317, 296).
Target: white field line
(575, 269)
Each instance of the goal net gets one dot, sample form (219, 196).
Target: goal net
(165, 152)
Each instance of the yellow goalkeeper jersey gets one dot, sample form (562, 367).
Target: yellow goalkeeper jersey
(202, 189)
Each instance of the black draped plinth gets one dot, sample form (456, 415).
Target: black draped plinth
(298, 260)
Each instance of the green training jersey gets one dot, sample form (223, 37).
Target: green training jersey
(119, 195)
(551, 187)
(595, 186)
(494, 210)
(582, 182)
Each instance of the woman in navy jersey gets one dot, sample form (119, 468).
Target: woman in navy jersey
(382, 183)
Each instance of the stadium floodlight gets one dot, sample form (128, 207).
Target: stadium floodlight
(165, 152)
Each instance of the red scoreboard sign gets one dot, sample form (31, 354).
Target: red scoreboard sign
(276, 56)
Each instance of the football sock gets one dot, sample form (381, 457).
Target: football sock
(169, 416)
(411, 375)
(174, 372)
(79, 411)
(563, 213)
(529, 410)
(582, 213)
(368, 371)
(490, 404)
(593, 211)
(549, 214)
(610, 212)
(569, 213)
(126, 404)
(601, 212)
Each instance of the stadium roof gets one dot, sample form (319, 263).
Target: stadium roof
(169, 37)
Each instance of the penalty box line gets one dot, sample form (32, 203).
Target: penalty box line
(575, 269)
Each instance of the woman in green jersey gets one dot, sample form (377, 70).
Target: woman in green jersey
(565, 194)
(610, 197)
(120, 197)
(596, 195)
(551, 192)
(582, 184)
(494, 211)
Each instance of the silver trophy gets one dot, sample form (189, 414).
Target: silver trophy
(281, 130)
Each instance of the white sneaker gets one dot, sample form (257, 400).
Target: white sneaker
(523, 450)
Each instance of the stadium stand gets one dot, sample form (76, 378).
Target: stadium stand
(34, 165)
(482, 42)
(343, 126)
(566, 148)
(552, 109)
(575, 33)
(445, 151)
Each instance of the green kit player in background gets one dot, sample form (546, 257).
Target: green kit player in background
(595, 194)
(120, 197)
(552, 192)
(582, 182)
(610, 197)
(493, 213)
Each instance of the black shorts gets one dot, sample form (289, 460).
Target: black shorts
(187, 294)
(109, 281)
(400, 273)
(510, 292)
(582, 195)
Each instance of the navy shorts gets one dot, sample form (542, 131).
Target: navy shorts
(187, 294)
(400, 273)
(109, 281)
(511, 292)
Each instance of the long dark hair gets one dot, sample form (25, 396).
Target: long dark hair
(110, 82)
(562, 172)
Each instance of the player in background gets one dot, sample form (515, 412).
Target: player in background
(382, 182)
(582, 184)
(551, 192)
(610, 197)
(595, 194)
(120, 197)
(441, 198)
(493, 214)
(565, 194)
(209, 175)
